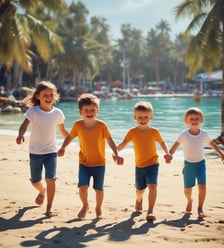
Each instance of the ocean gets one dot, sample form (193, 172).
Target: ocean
(168, 116)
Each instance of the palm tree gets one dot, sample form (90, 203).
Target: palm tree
(177, 54)
(99, 31)
(130, 53)
(163, 27)
(154, 51)
(19, 32)
(79, 46)
(206, 47)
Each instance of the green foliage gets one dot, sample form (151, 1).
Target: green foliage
(205, 34)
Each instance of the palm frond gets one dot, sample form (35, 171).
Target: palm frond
(55, 5)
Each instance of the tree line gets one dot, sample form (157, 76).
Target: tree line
(53, 41)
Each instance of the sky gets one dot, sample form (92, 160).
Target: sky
(140, 14)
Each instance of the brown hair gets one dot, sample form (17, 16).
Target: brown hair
(31, 99)
(87, 99)
(143, 106)
(193, 111)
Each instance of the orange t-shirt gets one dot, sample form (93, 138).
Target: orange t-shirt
(144, 145)
(92, 142)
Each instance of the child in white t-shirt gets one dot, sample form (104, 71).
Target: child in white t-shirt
(193, 140)
(44, 119)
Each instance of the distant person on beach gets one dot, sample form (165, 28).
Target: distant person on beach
(197, 96)
(144, 138)
(92, 134)
(193, 140)
(44, 119)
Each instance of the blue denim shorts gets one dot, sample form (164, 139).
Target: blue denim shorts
(85, 173)
(145, 176)
(193, 172)
(37, 162)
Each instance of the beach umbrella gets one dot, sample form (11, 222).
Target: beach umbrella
(116, 83)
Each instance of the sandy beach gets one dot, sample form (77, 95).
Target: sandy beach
(23, 224)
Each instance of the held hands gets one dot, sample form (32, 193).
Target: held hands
(168, 157)
(118, 160)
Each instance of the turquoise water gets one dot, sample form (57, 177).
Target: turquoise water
(168, 116)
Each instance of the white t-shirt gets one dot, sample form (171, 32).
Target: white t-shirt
(43, 129)
(193, 145)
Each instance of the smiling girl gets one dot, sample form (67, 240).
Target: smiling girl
(44, 119)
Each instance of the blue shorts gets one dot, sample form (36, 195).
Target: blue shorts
(193, 171)
(85, 173)
(145, 176)
(49, 161)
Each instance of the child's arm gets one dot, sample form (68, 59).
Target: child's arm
(66, 142)
(164, 147)
(122, 145)
(20, 139)
(63, 130)
(174, 148)
(216, 148)
(116, 158)
(167, 156)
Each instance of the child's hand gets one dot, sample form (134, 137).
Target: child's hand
(61, 152)
(120, 160)
(117, 159)
(19, 140)
(168, 158)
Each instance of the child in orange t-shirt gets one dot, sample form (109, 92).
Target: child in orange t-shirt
(144, 138)
(92, 134)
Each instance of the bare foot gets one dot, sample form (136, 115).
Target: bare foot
(189, 207)
(39, 199)
(201, 214)
(50, 213)
(99, 215)
(82, 212)
(138, 206)
(150, 217)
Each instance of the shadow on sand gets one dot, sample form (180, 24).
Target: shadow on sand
(16, 223)
(78, 237)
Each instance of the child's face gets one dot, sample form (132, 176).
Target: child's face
(143, 117)
(89, 112)
(193, 121)
(46, 98)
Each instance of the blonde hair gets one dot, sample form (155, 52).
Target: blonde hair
(31, 99)
(193, 111)
(88, 99)
(143, 106)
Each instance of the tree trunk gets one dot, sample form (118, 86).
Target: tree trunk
(220, 139)
(61, 77)
(49, 73)
(157, 70)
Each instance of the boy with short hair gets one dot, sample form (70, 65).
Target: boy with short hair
(92, 134)
(144, 138)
